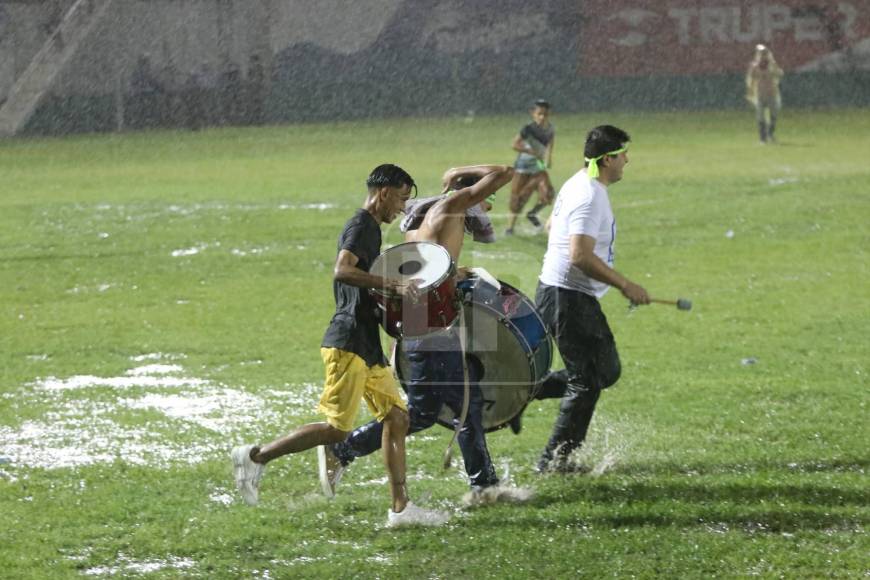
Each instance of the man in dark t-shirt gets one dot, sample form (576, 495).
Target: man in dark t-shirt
(354, 326)
(356, 367)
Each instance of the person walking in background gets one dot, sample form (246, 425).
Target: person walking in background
(577, 272)
(762, 90)
(534, 145)
(255, 90)
(146, 96)
(356, 367)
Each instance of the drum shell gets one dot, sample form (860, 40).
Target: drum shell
(431, 267)
(436, 309)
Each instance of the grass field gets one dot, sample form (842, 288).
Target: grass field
(163, 297)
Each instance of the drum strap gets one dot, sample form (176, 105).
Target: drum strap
(466, 392)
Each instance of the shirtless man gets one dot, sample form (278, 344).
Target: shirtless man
(436, 365)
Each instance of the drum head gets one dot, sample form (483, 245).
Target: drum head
(426, 262)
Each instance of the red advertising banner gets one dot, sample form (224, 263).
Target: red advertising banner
(687, 37)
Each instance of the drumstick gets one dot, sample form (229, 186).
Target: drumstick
(680, 303)
(466, 392)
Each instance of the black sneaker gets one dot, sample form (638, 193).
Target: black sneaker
(516, 424)
(534, 219)
(561, 465)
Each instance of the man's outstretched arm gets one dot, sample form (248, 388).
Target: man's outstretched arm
(490, 179)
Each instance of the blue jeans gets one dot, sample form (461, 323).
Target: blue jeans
(436, 379)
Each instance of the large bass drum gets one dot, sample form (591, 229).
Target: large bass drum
(509, 344)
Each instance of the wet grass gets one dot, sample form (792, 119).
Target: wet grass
(734, 445)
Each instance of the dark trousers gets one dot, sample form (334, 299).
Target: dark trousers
(591, 361)
(765, 114)
(436, 379)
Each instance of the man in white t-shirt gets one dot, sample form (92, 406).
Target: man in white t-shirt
(577, 271)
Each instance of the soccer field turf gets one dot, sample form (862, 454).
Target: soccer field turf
(163, 296)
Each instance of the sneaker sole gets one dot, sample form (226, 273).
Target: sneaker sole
(249, 494)
(322, 472)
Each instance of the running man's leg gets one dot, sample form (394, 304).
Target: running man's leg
(472, 438)
(424, 406)
(774, 113)
(344, 385)
(343, 390)
(761, 119)
(520, 194)
(385, 402)
(554, 385)
(304, 438)
(583, 339)
(544, 187)
(395, 428)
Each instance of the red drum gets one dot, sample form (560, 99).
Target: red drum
(432, 267)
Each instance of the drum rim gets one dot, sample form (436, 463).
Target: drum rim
(534, 311)
(451, 270)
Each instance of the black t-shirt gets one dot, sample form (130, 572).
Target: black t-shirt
(354, 326)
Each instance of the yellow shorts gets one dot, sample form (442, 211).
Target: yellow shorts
(348, 380)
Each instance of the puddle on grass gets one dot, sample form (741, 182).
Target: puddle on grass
(238, 252)
(99, 288)
(205, 419)
(89, 381)
(192, 251)
(317, 206)
(127, 566)
(222, 496)
(249, 252)
(155, 369)
(158, 356)
(134, 212)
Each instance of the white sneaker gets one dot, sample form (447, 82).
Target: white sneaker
(481, 496)
(413, 515)
(247, 473)
(330, 469)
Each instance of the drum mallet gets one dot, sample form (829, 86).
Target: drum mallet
(680, 303)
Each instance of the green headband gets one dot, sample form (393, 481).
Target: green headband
(593, 161)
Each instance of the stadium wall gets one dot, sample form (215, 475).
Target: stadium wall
(376, 58)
